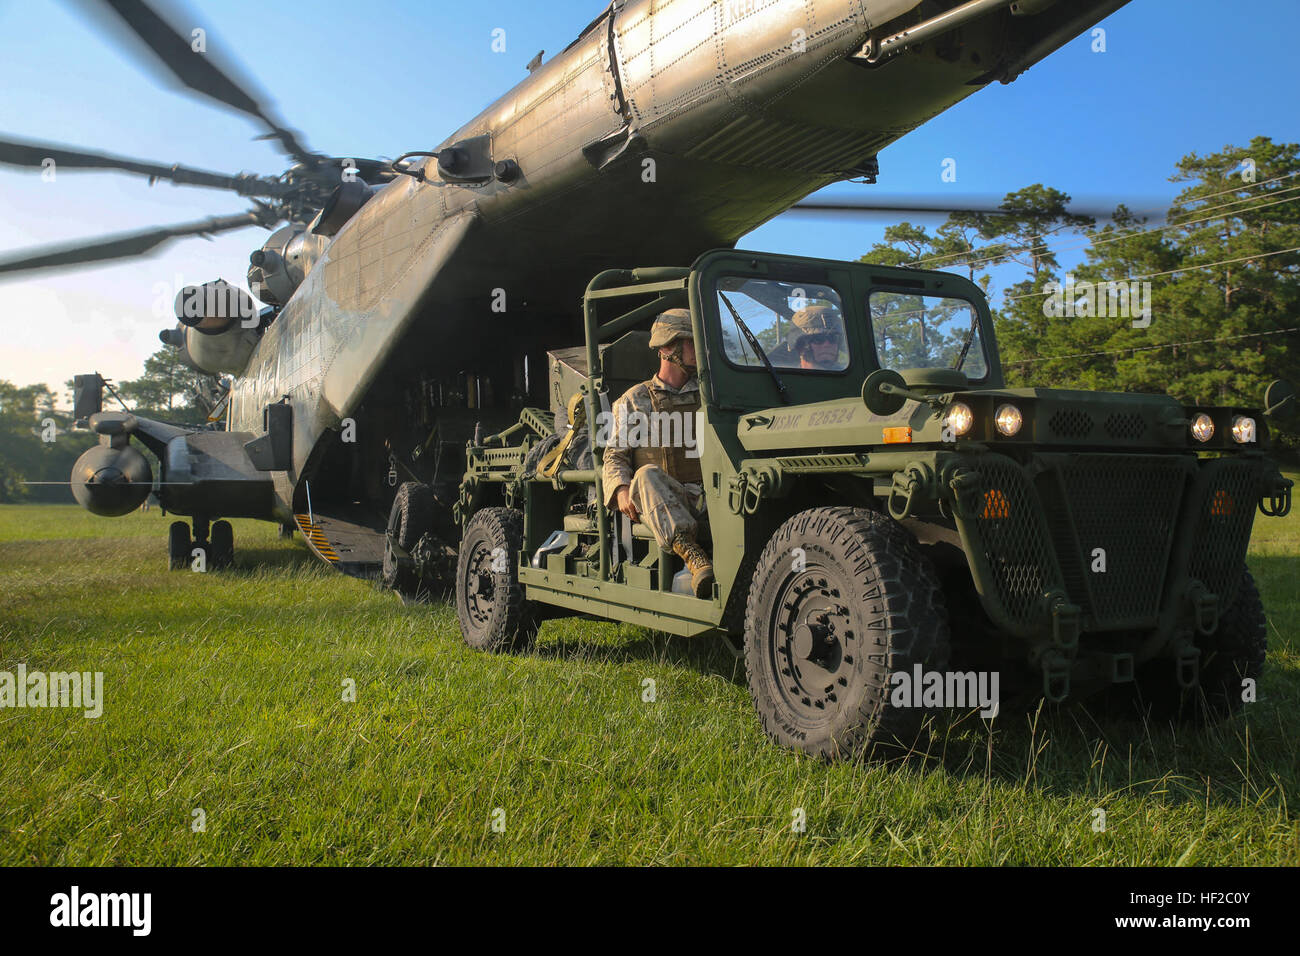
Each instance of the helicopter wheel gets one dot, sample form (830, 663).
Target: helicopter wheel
(221, 545)
(179, 546)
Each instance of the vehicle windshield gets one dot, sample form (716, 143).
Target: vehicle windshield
(796, 326)
(913, 330)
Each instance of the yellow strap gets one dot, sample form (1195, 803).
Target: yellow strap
(549, 466)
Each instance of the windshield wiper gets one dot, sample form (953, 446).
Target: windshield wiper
(758, 349)
(970, 338)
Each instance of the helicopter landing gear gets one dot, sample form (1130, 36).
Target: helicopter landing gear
(178, 546)
(216, 542)
(221, 545)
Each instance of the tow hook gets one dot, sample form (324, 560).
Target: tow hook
(1065, 643)
(1056, 678)
(1276, 501)
(1205, 609)
(747, 489)
(1065, 622)
(736, 493)
(915, 479)
(1188, 667)
(752, 496)
(966, 487)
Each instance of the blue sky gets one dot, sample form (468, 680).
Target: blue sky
(381, 78)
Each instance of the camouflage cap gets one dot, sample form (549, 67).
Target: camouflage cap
(815, 320)
(669, 327)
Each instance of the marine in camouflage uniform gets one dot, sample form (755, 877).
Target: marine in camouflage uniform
(818, 333)
(648, 453)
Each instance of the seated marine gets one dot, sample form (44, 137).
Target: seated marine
(651, 465)
(818, 333)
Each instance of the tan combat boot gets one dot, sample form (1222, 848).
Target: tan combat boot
(697, 562)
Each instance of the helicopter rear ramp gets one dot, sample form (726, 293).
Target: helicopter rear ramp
(352, 542)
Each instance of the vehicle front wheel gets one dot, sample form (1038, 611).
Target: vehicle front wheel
(841, 600)
(489, 598)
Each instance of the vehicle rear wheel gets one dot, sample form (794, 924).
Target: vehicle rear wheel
(221, 545)
(489, 598)
(178, 546)
(409, 518)
(829, 624)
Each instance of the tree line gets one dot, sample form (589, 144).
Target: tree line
(1219, 324)
(1222, 266)
(38, 443)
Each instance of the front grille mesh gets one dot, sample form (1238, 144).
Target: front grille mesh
(1010, 534)
(1039, 528)
(1227, 495)
(1125, 511)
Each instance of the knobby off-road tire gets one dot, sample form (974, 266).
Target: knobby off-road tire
(489, 598)
(1234, 652)
(540, 451)
(409, 518)
(821, 643)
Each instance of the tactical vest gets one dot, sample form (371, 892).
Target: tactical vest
(673, 457)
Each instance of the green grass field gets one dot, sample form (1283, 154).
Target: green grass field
(224, 693)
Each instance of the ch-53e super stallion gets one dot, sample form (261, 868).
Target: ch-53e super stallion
(410, 308)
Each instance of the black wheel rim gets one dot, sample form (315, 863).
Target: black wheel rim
(812, 643)
(479, 585)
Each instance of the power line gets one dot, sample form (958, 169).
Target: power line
(1156, 275)
(1101, 240)
(958, 255)
(1152, 348)
(1233, 202)
(1234, 189)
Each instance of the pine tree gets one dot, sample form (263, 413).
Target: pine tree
(1224, 298)
(171, 390)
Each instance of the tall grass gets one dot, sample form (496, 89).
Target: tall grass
(225, 695)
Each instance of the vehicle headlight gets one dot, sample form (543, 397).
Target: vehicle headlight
(1009, 420)
(1243, 429)
(959, 418)
(1202, 427)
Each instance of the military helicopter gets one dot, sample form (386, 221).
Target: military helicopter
(660, 132)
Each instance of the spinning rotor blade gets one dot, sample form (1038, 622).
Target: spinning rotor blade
(23, 153)
(973, 205)
(198, 71)
(127, 244)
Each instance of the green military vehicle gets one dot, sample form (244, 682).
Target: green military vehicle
(891, 514)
